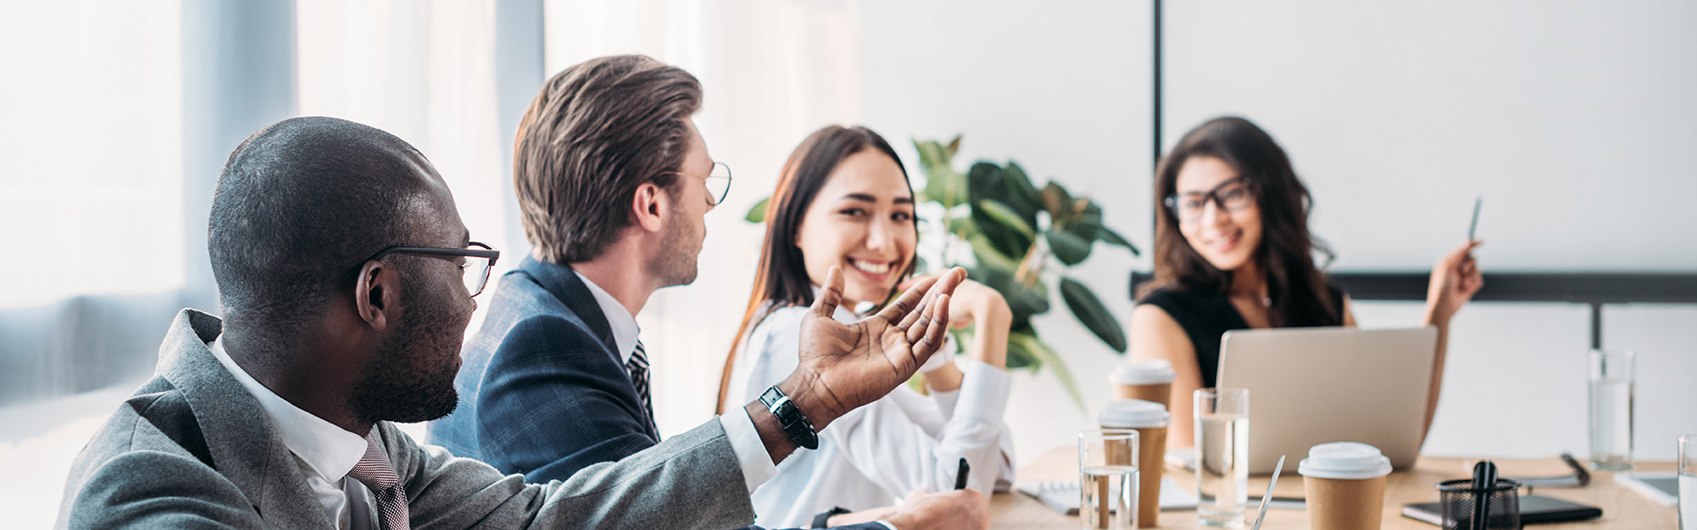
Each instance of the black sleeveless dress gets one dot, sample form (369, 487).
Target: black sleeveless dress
(1206, 318)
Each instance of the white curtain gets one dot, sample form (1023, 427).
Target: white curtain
(92, 142)
(772, 72)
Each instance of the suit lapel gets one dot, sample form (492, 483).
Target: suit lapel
(564, 284)
(249, 453)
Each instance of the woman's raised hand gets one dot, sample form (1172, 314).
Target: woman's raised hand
(1455, 279)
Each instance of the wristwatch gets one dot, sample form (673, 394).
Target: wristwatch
(795, 424)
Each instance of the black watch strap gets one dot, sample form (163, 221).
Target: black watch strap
(823, 520)
(795, 423)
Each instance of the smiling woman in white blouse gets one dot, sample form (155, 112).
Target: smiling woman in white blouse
(844, 200)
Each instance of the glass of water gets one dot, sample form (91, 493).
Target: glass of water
(1688, 482)
(1611, 409)
(1107, 479)
(1222, 455)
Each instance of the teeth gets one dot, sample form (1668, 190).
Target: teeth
(871, 268)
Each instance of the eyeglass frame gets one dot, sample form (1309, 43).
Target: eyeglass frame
(1213, 196)
(490, 252)
(710, 200)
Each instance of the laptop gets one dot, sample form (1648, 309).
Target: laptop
(1309, 386)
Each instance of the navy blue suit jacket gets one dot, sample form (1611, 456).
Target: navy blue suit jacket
(542, 391)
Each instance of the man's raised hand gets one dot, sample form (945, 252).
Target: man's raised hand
(844, 366)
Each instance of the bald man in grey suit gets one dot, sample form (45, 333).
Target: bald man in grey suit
(347, 280)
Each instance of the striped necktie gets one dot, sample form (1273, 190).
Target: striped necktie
(638, 367)
(374, 471)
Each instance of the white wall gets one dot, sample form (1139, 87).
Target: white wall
(1064, 89)
(1572, 119)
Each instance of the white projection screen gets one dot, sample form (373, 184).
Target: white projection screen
(1576, 121)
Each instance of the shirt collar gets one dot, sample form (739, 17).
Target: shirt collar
(327, 449)
(619, 318)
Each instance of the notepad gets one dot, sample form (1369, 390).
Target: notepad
(1063, 495)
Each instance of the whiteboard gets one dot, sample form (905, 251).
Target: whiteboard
(1576, 121)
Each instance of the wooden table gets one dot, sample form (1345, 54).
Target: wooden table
(1622, 508)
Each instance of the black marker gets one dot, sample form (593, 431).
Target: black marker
(960, 476)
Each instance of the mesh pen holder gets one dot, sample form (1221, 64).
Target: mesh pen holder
(1459, 500)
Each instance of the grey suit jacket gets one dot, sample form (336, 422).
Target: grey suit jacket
(193, 449)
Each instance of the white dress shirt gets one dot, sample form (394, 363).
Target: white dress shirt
(619, 319)
(324, 452)
(876, 454)
(751, 453)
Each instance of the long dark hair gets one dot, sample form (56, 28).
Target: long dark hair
(781, 279)
(1295, 286)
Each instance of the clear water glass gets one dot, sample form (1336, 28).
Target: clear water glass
(1222, 455)
(1611, 376)
(1688, 482)
(1107, 479)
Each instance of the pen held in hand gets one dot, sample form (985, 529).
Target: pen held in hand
(1474, 226)
(960, 476)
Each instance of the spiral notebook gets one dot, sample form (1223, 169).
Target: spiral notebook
(1063, 495)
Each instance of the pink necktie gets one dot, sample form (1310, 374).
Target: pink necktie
(374, 471)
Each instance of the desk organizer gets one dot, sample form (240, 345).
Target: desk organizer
(1459, 499)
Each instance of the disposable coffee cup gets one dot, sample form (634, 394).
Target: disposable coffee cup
(1150, 420)
(1345, 483)
(1148, 380)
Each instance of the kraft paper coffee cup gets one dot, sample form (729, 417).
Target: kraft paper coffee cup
(1148, 380)
(1345, 483)
(1150, 420)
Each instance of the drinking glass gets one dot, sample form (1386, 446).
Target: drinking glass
(1222, 455)
(1107, 479)
(1688, 482)
(1611, 409)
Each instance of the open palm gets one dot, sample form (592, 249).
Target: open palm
(844, 366)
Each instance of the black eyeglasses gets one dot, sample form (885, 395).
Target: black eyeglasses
(718, 182)
(479, 259)
(1230, 196)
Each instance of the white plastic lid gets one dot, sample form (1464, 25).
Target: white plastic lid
(1144, 372)
(1344, 460)
(1134, 413)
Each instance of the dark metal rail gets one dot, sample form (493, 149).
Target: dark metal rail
(1591, 288)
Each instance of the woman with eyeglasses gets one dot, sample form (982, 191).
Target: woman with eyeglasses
(843, 200)
(1233, 251)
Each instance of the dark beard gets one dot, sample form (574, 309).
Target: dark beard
(676, 264)
(407, 383)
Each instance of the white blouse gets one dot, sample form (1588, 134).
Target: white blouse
(874, 455)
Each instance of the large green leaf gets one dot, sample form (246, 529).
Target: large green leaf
(1022, 196)
(1047, 357)
(1001, 213)
(757, 214)
(942, 183)
(987, 254)
(984, 181)
(1093, 314)
(1024, 300)
(1069, 248)
(1010, 242)
(1111, 237)
(1058, 202)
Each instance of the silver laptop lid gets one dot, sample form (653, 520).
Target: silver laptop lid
(1309, 386)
